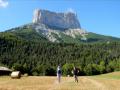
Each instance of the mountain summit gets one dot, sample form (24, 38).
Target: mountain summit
(66, 20)
(54, 26)
(57, 27)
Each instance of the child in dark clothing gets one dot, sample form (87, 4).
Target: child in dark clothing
(75, 73)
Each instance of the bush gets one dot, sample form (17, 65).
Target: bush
(88, 69)
(67, 69)
(35, 73)
(50, 71)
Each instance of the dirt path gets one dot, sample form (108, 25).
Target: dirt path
(85, 83)
(56, 85)
(94, 84)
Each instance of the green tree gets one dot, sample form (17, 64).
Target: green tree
(67, 69)
(102, 67)
(88, 69)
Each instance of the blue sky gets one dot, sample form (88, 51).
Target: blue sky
(98, 16)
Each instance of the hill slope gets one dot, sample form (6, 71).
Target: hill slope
(38, 32)
(42, 57)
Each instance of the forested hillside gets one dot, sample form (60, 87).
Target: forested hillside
(42, 58)
(29, 32)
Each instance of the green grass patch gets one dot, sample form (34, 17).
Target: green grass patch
(114, 75)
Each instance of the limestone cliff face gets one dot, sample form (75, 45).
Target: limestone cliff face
(66, 20)
(36, 16)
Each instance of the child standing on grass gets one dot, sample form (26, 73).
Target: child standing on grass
(59, 74)
(75, 73)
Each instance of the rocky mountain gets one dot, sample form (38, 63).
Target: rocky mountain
(57, 27)
(54, 25)
(65, 20)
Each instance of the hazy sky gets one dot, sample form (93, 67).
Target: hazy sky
(99, 16)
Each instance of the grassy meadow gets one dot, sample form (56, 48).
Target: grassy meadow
(109, 81)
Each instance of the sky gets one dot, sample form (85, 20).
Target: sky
(98, 16)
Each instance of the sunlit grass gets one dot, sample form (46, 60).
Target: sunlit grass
(114, 75)
(100, 82)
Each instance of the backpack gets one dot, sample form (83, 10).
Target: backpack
(59, 71)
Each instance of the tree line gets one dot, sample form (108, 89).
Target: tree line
(42, 58)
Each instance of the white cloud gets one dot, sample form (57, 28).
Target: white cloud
(3, 3)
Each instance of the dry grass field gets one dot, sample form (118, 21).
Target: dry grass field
(101, 82)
